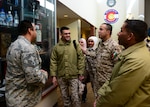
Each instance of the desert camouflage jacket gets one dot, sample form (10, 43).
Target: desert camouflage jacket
(106, 56)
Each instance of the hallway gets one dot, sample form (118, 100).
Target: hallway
(88, 103)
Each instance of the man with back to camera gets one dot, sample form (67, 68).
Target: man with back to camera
(67, 64)
(106, 55)
(129, 85)
(24, 76)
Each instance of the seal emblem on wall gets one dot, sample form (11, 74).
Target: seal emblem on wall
(111, 16)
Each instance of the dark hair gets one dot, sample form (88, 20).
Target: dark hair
(138, 28)
(23, 27)
(45, 45)
(148, 31)
(109, 27)
(63, 28)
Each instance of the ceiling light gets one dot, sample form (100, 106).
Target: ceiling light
(65, 15)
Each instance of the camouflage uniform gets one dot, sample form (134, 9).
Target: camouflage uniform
(91, 67)
(106, 57)
(24, 78)
(73, 83)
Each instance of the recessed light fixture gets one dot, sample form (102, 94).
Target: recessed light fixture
(65, 15)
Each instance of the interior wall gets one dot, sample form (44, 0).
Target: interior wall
(124, 8)
(74, 30)
(135, 8)
(120, 7)
(72, 24)
(85, 34)
(96, 11)
(64, 22)
(147, 13)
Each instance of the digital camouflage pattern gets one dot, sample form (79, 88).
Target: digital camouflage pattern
(24, 78)
(106, 56)
(91, 68)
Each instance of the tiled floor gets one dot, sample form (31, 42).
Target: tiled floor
(88, 103)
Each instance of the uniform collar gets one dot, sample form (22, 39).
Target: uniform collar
(22, 37)
(106, 42)
(61, 42)
(131, 49)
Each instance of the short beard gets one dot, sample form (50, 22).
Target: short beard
(33, 41)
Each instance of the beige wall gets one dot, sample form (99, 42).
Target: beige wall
(74, 26)
(74, 30)
(135, 7)
(93, 11)
(124, 7)
(120, 7)
(147, 12)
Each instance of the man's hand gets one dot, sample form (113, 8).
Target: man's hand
(45, 72)
(54, 80)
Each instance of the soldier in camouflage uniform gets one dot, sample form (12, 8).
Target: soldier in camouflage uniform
(91, 60)
(67, 64)
(24, 76)
(106, 55)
